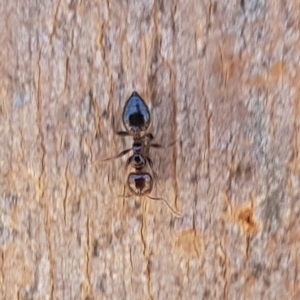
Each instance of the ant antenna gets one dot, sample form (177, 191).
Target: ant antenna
(174, 212)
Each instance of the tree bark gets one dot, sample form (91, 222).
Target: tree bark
(221, 79)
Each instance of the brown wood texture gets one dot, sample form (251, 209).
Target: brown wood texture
(221, 78)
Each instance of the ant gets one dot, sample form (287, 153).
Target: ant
(136, 119)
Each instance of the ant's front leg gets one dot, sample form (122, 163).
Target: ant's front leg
(113, 126)
(128, 161)
(121, 133)
(150, 163)
(150, 137)
(158, 146)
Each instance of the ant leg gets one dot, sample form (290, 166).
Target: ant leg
(119, 155)
(150, 162)
(156, 146)
(174, 212)
(160, 146)
(123, 133)
(124, 196)
(149, 136)
(128, 162)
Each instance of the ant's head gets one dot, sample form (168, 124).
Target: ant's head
(140, 183)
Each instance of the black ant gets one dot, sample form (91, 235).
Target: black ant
(136, 119)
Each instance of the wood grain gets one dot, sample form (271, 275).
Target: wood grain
(221, 78)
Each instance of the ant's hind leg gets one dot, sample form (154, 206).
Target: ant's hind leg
(148, 136)
(150, 162)
(158, 146)
(123, 133)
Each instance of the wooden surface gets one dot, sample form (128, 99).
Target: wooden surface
(221, 78)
